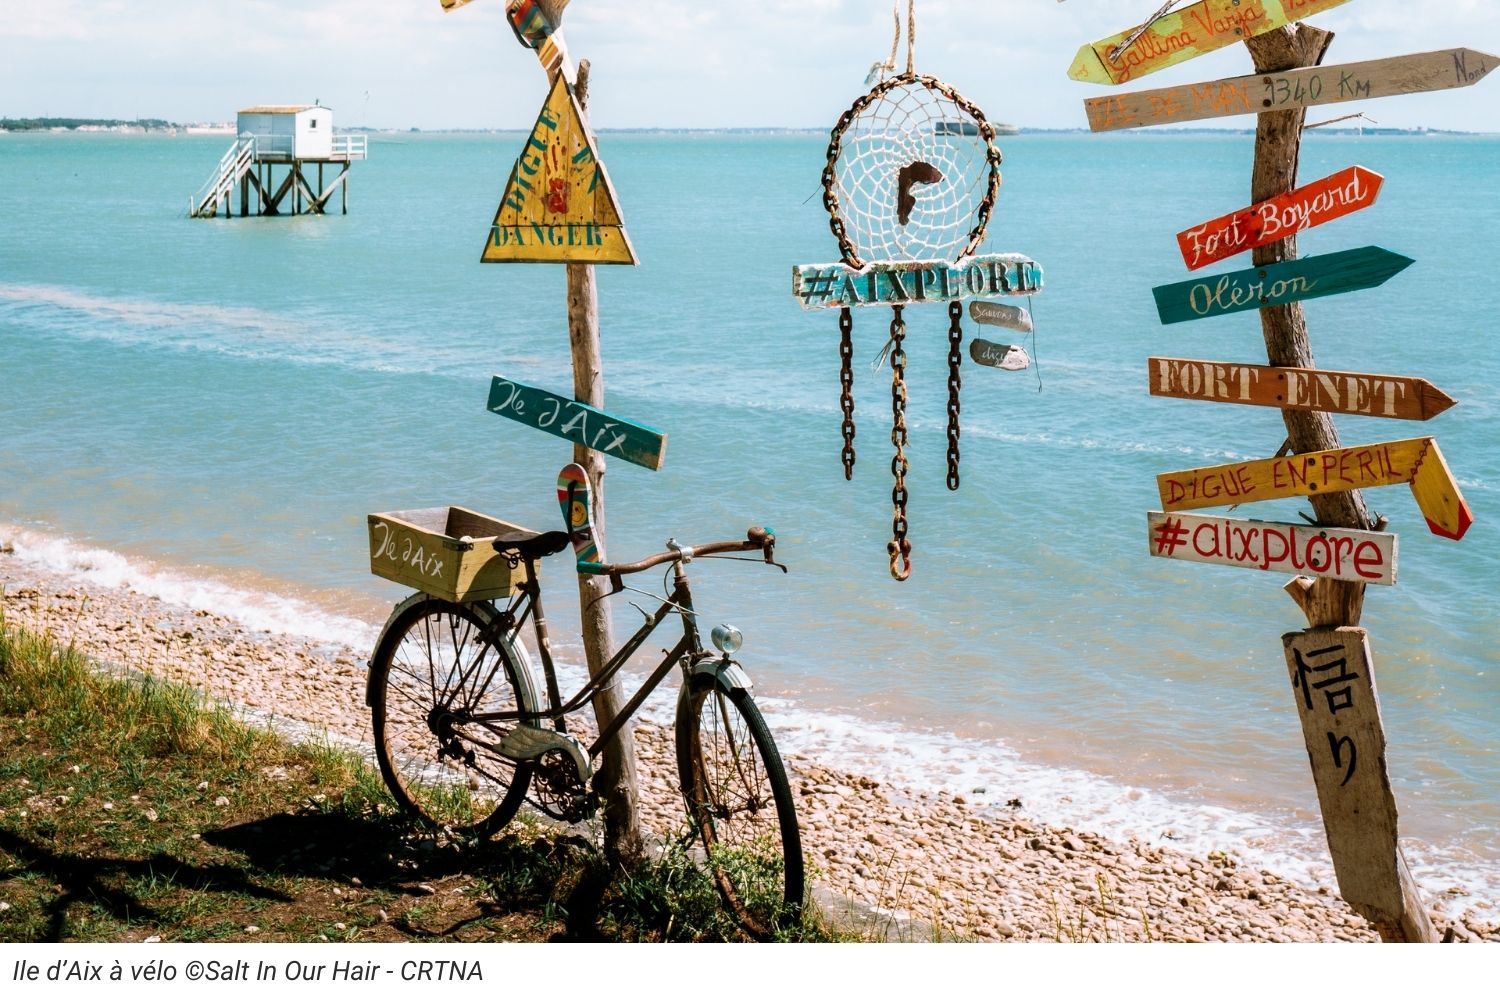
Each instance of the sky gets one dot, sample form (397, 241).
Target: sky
(672, 63)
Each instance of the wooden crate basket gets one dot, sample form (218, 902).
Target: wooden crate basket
(443, 551)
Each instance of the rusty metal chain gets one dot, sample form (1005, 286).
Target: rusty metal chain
(898, 548)
(835, 144)
(846, 383)
(955, 359)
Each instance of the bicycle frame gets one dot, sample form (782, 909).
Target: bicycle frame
(688, 651)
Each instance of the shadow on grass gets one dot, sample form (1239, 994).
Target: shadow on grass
(94, 881)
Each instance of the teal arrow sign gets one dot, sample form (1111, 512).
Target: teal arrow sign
(578, 422)
(1278, 284)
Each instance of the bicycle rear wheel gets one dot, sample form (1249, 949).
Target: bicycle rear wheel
(738, 797)
(438, 665)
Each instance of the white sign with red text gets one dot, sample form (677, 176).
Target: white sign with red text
(1301, 549)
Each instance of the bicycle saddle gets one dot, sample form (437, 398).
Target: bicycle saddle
(532, 544)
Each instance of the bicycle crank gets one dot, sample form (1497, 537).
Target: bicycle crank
(527, 742)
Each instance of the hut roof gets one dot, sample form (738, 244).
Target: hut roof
(277, 109)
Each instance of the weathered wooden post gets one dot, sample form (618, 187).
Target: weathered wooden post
(1330, 666)
(576, 210)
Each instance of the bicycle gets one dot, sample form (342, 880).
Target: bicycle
(463, 728)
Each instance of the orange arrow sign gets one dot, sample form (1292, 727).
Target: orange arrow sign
(1313, 204)
(1394, 396)
(1416, 461)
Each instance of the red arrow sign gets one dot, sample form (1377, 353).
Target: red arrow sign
(1322, 201)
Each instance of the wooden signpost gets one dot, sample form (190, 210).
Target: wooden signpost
(1331, 553)
(1416, 461)
(1321, 201)
(999, 314)
(1302, 88)
(1183, 34)
(1278, 284)
(1391, 396)
(1333, 681)
(559, 204)
(578, 422)
(1330, 665)
(884, 283)
(538, 26)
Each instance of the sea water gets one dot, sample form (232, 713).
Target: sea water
(207, 409)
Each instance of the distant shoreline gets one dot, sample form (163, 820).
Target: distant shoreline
(157, 125)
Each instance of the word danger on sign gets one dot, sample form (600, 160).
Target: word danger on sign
(1335, 553)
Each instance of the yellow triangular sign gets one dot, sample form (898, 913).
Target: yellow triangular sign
(559, 205)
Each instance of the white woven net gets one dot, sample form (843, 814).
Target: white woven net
(911, 173)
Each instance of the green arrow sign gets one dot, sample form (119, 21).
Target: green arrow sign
(1278, 284)
(578, 422)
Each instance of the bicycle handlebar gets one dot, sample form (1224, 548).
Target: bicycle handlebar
(763, 539)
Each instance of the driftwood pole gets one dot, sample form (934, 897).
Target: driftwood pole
(1330, 665)
(616, 781)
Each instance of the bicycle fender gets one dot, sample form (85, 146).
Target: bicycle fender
(526, 679)
(731, 676)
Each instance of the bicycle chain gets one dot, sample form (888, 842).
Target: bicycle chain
(846, 381)
(955, 359)
(899, 548)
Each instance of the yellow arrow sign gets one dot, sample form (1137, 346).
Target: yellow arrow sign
(1416, 461)
(1183, 34)
(559, 205)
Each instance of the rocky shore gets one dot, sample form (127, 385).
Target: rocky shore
(908, 865)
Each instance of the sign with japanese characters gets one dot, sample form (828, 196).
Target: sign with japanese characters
(1333, 684)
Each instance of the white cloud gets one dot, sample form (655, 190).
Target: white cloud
(657, 62)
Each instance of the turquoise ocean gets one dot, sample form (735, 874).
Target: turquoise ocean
(207, 410)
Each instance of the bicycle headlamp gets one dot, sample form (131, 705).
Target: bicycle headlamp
(727, 639)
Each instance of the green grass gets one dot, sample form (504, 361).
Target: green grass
(132, 808)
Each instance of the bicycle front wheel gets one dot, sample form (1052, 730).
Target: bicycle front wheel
(739, 800)
(438, 667)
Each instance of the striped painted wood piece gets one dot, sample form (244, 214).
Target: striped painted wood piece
(565, 417)
(1300, 549)
(576, 498)
(1394, 396)
(1444, 69)
(1416, 461)
(1278, 284)
(1332, 197)
(883, 283)
(1183, 34)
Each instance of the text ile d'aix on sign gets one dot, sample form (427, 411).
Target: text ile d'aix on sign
(612, 436)
(1416, 461)
(1444, 69)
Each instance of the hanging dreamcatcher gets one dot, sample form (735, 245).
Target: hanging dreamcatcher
(910, 182)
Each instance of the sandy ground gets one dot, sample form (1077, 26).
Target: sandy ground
(912, 866)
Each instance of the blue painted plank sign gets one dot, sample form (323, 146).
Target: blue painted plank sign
(884, 283)
(578, 422)
(1278, 284)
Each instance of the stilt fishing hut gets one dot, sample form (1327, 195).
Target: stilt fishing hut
(296, 137)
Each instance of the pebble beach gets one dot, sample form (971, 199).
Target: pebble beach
(904, 863)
